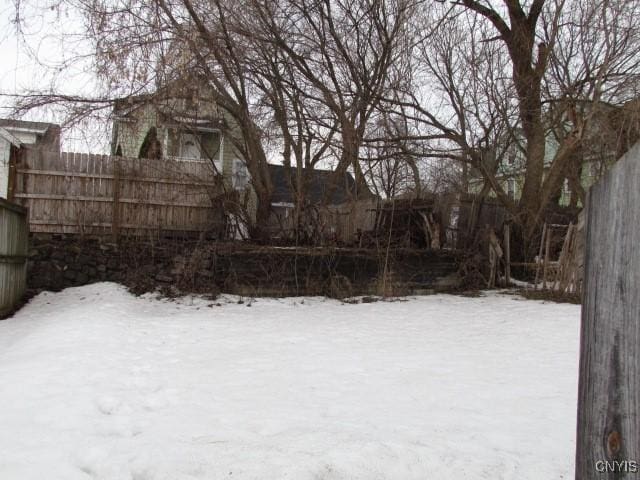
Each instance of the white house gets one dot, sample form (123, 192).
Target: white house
(41, 134)
(9, 144)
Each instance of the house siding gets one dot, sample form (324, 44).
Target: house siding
(130, 133)
(5, 155)
(592, 170)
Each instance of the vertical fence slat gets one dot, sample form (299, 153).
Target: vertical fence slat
(74, 193)
(609, 386)
(13, 255)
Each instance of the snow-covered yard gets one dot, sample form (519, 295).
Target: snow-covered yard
(96, 383)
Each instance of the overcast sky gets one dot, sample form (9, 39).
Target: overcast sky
(31, 61)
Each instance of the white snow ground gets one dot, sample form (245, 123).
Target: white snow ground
(95, 383)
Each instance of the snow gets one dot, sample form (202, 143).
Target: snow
(97, 383)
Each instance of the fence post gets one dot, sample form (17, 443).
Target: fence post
(115, 217)
(507, 254)
(608, 433)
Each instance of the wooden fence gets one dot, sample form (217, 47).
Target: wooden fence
(608, 436)
(98, 194)
(342, 223)
(14, 236)
(352, 218)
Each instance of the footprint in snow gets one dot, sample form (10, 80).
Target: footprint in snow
(108, 405)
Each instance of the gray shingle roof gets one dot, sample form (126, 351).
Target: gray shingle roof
(318, 184)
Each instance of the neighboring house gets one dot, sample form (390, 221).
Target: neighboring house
(185, 125)
(510, 171)
(9, 146)
(15, 134)
(328, 211)
(610, 133)
(39, 134)
(191, 128)
(318, 182)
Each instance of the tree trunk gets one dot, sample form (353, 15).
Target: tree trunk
(528, 86)
(260, 230)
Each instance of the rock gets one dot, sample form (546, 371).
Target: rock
(58, 255)
(82, 278)
(85, 260)
(164, 278)
(206, 273)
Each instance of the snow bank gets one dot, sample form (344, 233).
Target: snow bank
(95, 383)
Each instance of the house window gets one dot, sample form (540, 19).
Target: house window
(511, 188)
(511, 155)
(190, 146)
(196, 145)
(240, 176)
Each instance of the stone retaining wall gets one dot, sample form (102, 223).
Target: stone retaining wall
(181, 266)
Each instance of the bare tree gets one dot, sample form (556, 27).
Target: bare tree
(383, 84)
(535, 36)
(344, 50)
(492, 79)
(304, 127)
(160, 46)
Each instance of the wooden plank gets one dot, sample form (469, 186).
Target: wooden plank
(507, 254)
(13, 259)
(13, 255)
(110, 200)
(195, 227)
(539, 260)
(116, 207)
(565, 268)
(6, 205)
(156, 180)
(609, 380)
(525, 264)
(545, 268)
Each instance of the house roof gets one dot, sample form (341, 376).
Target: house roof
(6, 135)
(318, 183)
(26, 126)
(174, 114)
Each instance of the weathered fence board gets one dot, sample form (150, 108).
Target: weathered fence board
(98, 194)
(608, 433)
(14, 235)
(344, 222)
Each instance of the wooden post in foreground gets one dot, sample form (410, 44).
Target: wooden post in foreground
(608, 433)
(539, 259)
(507, 254)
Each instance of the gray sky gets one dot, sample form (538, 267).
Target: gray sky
(35, 60)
